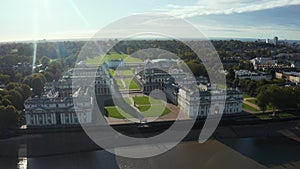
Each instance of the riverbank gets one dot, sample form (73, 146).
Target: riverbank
(64, 142)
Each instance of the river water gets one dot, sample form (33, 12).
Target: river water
(246, 153)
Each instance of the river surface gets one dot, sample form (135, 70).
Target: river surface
(245, 153)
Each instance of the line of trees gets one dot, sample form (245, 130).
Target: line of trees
(280, 98)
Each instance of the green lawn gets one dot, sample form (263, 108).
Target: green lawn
(125, 57)
(110, 102)
(286, 115)
(246, 95)
(115, 112)
(253, 101)
(263, 116)
(126, 72)
(120, 84)
(92, 61)
(131, 83)
(282, 115)
(153, 111)
(112, 72)
(128, 82)
(144, 100)
(246, 106)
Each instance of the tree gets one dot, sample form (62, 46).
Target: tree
(49, 76)
(231, 75)
(44, 61)
(9, 117)
(15, 98)
(56, 69)
(251, 87)
(263, 100)
(36, 82)
(37, 85)
(4, 78)
(275, 95)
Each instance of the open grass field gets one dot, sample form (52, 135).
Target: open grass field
(131, 83)
(153, 111)
(254, 101)
(116, 112)
(247, 107)
(145, 100)
(246, 95)
(120, 84)
(110, 102)
(125, 57)
(112, 72)
(127, 72)
(128, 82)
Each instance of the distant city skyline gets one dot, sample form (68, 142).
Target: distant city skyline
(75, 19)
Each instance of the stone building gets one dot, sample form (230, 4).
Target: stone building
(56, 111)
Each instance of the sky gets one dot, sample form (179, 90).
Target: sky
(72, 19)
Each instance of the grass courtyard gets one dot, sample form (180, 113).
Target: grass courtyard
(125, 57)
(248, 107)
(143, 105)
(128, 84)
(145, 100)
(116, 112)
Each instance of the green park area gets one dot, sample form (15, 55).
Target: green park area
(145, 100)
(125, 57)
(126, 72)
(112, 72)
(248, 107)
(150, 107)
(126, 83)
(154, 110)
(245, 95)
(116, 112)
(143, 105)
(254, 102)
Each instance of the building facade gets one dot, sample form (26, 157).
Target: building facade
(205, 102)
(44, 111)
(246, 74)
(290, 76)
(114, 63)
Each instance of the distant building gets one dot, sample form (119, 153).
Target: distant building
(275, 40)
(290, 76)
(151, 79)
(99, 75)
(196, 102)
(246, 74)
(114, 63)
(155, 73)
(258, 61)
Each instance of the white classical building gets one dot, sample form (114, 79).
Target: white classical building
(45, 111)
(57, 105)
(205, 102)
(99, 76)
(256, 62)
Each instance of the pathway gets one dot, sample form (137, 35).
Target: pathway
(251, 104)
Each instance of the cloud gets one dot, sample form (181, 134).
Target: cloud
(211, 7)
